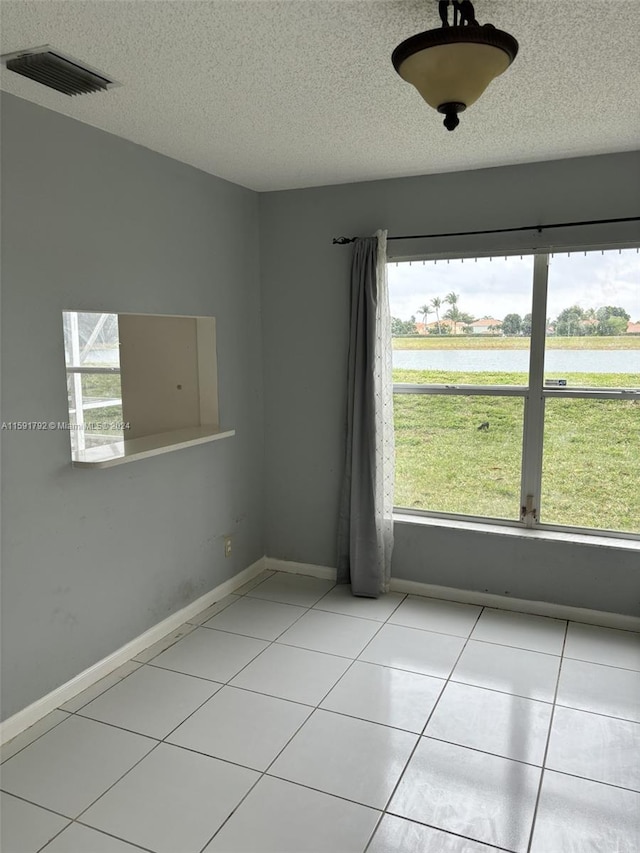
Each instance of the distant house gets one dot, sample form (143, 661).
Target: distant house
(633, 328)
(432, 328)
(485, 326)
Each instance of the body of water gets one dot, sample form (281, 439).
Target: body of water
(517, 361)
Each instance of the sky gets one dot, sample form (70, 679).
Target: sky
(498, 286)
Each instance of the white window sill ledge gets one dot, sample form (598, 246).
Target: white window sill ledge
(595, 541)
(132, 449)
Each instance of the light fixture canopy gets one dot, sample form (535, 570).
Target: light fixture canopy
(452, 66)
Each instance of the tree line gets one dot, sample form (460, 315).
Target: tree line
(572, 321)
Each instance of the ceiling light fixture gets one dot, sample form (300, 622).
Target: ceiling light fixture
(452, 66)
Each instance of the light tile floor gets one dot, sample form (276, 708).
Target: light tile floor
(293, 718)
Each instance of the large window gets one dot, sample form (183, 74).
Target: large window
(517, 388)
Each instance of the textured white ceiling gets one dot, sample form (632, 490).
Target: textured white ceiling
(274, 95)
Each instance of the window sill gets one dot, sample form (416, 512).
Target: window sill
(496, 529)
(133, 449)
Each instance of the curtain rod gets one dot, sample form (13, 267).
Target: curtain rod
(342, 241)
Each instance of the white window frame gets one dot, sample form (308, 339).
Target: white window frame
(534, 395)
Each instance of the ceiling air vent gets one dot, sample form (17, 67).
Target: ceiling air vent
(53, 69)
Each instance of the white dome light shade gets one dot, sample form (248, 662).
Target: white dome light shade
(451, 67)
(454, 72)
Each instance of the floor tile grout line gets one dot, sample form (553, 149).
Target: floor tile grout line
(106, 690)
(275, 758)
(74, 821)
(310, 607)
(403, 598)
(546, 749)
(271, 642)
(117, 837)
(591, 779)
(53, 837)
(155, 739)
(482, 751)
(119, 779)
(448, 679)
(32, 803)
(606, 627)
(384, 666)
(268, 601)
(502, 692)
(36, 739)
(598, 663)
(263, 773)
(222, 609)
(421, 734)
(517, 648)
(596, 713)
(314, 708)
(487, 844)
(192, 628)
(317, 707)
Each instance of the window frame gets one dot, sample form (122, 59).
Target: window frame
(534, 396)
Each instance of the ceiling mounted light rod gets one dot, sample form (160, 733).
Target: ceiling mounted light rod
(452, 66)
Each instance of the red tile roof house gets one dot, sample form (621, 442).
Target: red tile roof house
(633, 329)
(432, 328)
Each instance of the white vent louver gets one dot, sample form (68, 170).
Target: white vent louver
(51, 68)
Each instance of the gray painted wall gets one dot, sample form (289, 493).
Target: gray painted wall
(306, 307)
(93, 558)
(91, 222)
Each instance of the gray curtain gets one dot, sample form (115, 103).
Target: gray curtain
(365, 524)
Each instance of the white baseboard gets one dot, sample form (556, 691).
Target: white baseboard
(12, 726)
(20, 721)
(484, 599)
(519, 605)
(325, 572)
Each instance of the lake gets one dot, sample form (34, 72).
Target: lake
(517, 361)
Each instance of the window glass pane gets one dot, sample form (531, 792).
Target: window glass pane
(591, 464)
(91, 339)
(101, 409)
(593, 326)
(459, 454)
(461, 322)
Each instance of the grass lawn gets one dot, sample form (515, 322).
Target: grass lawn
(590, 342)
(591, 465)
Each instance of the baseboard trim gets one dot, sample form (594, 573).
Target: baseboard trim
(25, 718)
(325, 572)
(484, 599)
(519, 605)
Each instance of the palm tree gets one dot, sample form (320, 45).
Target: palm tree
(453, 313)
(455, 316)
(425, 311)
(437, 302)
